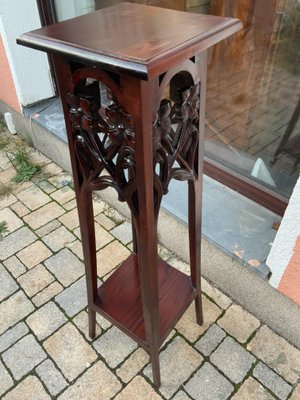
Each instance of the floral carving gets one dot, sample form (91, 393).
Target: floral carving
(104, 142)
(175, 137)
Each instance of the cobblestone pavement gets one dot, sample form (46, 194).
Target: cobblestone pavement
(44, 348)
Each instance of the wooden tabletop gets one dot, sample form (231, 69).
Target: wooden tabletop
(133, 38)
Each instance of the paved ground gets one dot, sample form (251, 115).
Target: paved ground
(44, 349)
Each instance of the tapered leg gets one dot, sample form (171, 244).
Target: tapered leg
(86, 218)
(195, 243)
(145, 223)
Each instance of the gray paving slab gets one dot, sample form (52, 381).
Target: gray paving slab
(209, 384)
(232, 359)
(272, 381)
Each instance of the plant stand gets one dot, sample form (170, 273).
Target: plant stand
(142, 129)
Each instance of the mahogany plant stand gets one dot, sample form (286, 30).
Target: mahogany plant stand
(147, 129)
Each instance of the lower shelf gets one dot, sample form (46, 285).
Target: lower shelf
(120, 299)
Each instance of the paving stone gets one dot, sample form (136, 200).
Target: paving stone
(38, 158)
(20, 209)
(13, 222)
(296, 393)
(65, 266)
(63, 195)
(133, 365)
(74, 298)
(7, 175)
(232, 359)
(22, 186)
(114, 346)
(76, 248)
(7, 284)
(35, 280)
(29, 389)
(12, 310)
(98, 205)
(52, 378)
(238, 323)
(82, 322)
(209, 384)
(15, 242)
(14, 266)
(70, 219)
(218, 297)
(103, 322)
(252, 390)
(46, 186)
(104, 221)
(123, 232)
(138, 389)
(277, 353)
(46, 320)
(59, 238)
(181, 395)
(5, 380)
(34, 254)
(51, 226)
(47, 294)
(113, 214)
(33, 198)
(105, 262)
(272, 381)
(180, 265)
(43, 215)
(12, 335)
(210, 340)
(7, 200)
(177, 362)
(70, 351)
(102, 237)
(70, 205)
(97, 383)
(51, 169)
(164, 253)
(188, 326)
(23, 356)
(61, 179)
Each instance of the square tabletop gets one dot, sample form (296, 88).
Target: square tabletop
(133, 38)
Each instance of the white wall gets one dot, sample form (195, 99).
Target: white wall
(285, 240)
(30, 68)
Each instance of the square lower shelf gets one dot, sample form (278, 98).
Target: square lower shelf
(120, 299)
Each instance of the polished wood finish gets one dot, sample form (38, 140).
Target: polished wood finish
(247, 187)
(144, 46)
(119, 299)
(151, 131)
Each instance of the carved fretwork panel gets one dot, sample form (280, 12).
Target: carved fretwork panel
(104, 139)
(176, 135)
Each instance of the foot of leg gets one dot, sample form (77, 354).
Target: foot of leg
(199, 310)
(155, 368)
(92, 323)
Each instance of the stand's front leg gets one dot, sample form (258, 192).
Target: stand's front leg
(87, 229)
(195, 195)
(194, 202)
(145, 220)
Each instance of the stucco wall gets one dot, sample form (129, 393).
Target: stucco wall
(8, 92)
(285, 251)
(29, 69)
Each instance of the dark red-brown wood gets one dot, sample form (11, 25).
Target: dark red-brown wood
(153, 63)
(125, 38)
(120, 302)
